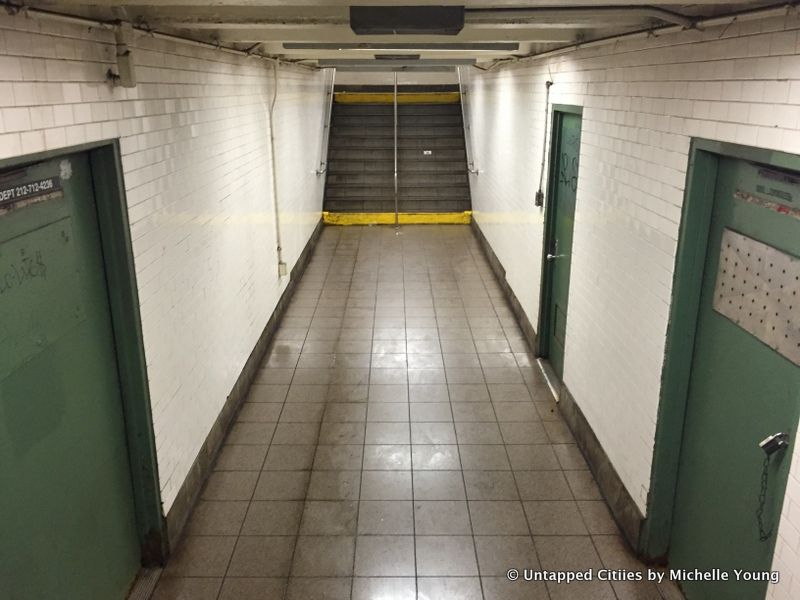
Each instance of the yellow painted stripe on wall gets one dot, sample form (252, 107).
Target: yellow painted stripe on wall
(450, 218)
(402, 98)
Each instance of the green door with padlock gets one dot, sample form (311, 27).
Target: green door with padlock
(744, 391)
(67, 522)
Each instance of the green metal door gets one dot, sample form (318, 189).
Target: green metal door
(561, 220)
(68, 527)
(745, 381)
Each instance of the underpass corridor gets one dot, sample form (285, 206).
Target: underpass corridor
(449, 300)
(399, 442)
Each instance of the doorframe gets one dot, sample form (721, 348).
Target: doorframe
(546, 283)
(123, 299)
(690, 259)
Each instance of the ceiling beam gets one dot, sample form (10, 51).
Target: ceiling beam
(395, 63)
(345, 34)
(389, 68)
(567, 17)
(347, 3)
(442, 47)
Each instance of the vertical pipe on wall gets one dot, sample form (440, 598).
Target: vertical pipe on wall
(326, 126)
(467, 129)
(539, 199)
(282, 270)
(396, 213)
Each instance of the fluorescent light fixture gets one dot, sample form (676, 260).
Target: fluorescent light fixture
(405, 57)
(418, 47)
(357, 62)
(392, 68)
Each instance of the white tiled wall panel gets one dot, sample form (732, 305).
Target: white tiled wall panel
(643, 101)
(194, 136)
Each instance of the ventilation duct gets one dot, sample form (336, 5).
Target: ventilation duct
(405, 57)
(406, 20)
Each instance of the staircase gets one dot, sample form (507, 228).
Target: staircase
(432, 164)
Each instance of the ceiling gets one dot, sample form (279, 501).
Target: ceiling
(318, 31)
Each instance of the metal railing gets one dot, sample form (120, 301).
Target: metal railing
(396, 199)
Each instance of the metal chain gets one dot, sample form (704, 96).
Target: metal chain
(762, 501)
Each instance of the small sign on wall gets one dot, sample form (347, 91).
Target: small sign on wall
(27, 192)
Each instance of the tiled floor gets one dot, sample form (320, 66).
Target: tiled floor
(399, 444)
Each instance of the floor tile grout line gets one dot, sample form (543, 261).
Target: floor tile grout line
(366, 421)
(316, 446)
(461, 466)
(560, 470)
(410, 445)
(513, 473)
(261, 469)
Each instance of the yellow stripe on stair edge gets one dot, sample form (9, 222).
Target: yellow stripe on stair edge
(386, 218)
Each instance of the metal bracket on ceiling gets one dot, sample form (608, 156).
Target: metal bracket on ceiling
(126, 71)
(15, 9)
(251, 51)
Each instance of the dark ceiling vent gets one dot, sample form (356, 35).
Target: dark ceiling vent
(397, 56)
(406, 20)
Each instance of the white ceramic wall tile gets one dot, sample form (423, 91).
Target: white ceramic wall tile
(642, 102)
(196, 160)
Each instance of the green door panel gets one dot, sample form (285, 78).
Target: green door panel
(68, 524)
(740, 391)
(566, 153)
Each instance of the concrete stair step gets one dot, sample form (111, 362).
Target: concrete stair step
(406, 178)
(358, 154)
(403, 143)
(370, 204)
(387, 131)
(387, 191)
(432, 174)
(425, 165)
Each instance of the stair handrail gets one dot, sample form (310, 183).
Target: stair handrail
(467, 129)
(326, 131)
(396, 212)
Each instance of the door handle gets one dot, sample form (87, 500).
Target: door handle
(555, 256)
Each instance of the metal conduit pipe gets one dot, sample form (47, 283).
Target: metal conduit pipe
(749, 15)
(37, 13)
(547, 15)
(539, 198)
(282, 270)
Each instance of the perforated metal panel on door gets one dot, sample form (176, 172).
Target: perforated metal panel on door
(758, 288)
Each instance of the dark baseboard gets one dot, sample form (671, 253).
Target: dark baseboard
(620, 502)
(201, 468)
(522, 319)
(622, 506)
